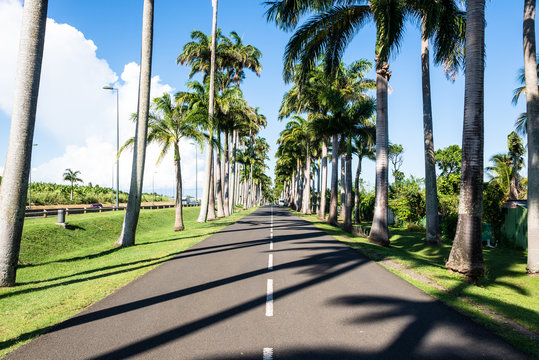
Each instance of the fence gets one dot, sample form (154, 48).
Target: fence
(54, 211)
(515, 228)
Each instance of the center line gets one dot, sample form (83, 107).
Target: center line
(267, 354)
(270, 262)
(269, 298)
(271, 245)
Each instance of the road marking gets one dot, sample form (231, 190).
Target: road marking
(271, 245)
(267, 354)
(269, 298)
(270, 262)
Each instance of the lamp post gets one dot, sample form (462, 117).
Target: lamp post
(30, 187)
(117, 142)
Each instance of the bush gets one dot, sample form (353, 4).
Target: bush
(407, 200)
(448, 204)
(366, 205)
(493, 198)
(449, 227)
(415, 228)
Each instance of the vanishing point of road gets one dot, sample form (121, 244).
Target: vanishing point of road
(271, 286)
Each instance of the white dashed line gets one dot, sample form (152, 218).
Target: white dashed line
(269, 298)
(270, 262)
(271, 245)
(267, 354)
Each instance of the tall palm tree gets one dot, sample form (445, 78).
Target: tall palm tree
(72, 177)
(466, 255)
(167, 126)
(532, 109)
(19, 152)
(444, 19)
(127, 237)
(500, 172)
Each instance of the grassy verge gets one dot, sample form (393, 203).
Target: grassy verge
(505, 289)
(63, 271)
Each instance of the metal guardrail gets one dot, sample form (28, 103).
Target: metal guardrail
(54, 211)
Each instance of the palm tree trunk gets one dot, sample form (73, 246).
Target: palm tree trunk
(466, 255)
(218, 179)
(324, 179)
(379, 233)
(343, 182)
(226, 176)
(532, 107)
(204, 205)
(319, 186)
(432, 235)
(232, 201)
(356, 185)
(71, 192)
(332, 216)
(307, 185)
(211, 199)
(347, 225)
(14, 187)
(127, 237)
(178, 219)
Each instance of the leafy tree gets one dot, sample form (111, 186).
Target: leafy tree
(449, 160)
(72, 177)
(408, 199)
(395, 154)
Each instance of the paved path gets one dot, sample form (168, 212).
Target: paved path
(271, 286)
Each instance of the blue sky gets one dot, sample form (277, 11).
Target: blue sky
(90, 43)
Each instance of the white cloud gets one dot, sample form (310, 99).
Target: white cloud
(77, 114)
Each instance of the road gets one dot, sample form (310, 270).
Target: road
(270, 286)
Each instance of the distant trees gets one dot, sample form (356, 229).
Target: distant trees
(72, 177)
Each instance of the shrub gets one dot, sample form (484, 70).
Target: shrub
(415, 228)
(408, 199)
(493, 198)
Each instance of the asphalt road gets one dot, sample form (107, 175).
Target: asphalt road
(271, 286)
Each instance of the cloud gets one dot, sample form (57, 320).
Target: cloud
(76, 114)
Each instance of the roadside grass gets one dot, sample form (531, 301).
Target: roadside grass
(505, 289)
(62, 271)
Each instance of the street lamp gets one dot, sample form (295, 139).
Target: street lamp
(117, 142)
(30, 187)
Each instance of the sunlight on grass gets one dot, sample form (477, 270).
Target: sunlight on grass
(63, 271)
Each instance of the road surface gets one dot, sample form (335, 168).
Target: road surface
(270, 286)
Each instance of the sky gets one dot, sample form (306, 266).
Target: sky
(91, 44)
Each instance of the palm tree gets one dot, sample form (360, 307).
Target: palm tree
(72, 177)
(19, 153)
(444, 19)
(466, 255)
(127, 237)
(501, 172)
(532, 109)
(521, 122)
(168, 125)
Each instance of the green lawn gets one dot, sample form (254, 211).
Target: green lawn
(63, 271)
(505, 289)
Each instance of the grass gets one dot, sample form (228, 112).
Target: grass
(63, 271)
(505, 289)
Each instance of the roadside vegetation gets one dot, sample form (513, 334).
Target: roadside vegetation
(56, 194)
(63, 271)
(505, 289)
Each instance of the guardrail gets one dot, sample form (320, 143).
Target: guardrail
(54, 211)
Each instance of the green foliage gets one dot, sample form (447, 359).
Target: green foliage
(449, 160)
(415, 228)
(366, 205)
(448, 204)
(449, 184)
(407, 199)
(493, 198)
(394, 154)
(56, 194)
